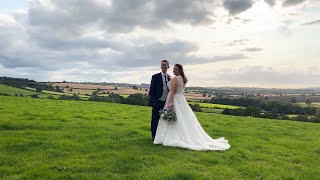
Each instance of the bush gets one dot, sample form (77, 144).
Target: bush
(65, 97)
(315, 118)
(4, 94)
(136, 99)
(50, 97)
(252, 111)
(235, 112)
(34, 96)
(301, 118)
(195, 107)
(271, 106)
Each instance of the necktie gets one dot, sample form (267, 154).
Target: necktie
(166, 80)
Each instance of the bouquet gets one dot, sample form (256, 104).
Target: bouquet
(168, 115)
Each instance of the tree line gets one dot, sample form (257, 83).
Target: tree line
(133, 99)
(269, 106)
(22, 83)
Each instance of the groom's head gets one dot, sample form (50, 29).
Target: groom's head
(164, 66)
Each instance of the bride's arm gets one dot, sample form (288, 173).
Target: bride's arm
(173, 91)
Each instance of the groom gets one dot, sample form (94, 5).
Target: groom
(158, 94)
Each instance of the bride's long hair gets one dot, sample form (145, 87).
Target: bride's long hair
(180, 67)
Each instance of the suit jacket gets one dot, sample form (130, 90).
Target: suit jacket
(156, 88)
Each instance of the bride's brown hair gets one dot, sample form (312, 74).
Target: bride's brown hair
(180, 67)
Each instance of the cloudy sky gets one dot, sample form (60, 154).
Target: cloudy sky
(261, 43)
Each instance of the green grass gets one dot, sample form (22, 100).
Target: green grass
(218, 106)
(52, 139)
(212, 110)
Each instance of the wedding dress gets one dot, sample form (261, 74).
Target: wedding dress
(186, 131)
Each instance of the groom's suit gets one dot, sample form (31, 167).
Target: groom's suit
(157, 99)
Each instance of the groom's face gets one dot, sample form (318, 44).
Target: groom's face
(164, 66)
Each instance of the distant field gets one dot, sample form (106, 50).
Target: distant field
(195, 96)
(68, 94)
(124, 91)
(82, 86)
(218, 106)
(53, 139)
(80, 91)
(300, 99)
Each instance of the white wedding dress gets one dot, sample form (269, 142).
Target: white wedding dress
(186, 131)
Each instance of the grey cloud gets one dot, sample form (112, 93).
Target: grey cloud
(120, 15)
(149, 55)
(270, 2)
(288, 3)
(237, 6)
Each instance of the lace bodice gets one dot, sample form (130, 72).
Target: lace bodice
(181, 85)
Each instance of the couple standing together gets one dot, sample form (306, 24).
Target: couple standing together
(186, 131)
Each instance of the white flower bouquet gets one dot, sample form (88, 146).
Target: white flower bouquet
(168, 115)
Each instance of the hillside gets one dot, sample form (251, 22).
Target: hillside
(5, 89)
(42, 138)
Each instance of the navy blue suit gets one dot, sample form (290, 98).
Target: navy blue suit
(156, 90)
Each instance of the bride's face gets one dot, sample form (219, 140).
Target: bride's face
(176, 71)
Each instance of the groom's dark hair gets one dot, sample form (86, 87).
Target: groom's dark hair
(165, 61)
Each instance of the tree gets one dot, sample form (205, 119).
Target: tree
(196, 107)
(94, 93)
(293, 100)
(252, 111)
(38, 89)
(308, 102)
(204, 95)
(116, 88)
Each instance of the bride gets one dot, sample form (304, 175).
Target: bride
(186, 131)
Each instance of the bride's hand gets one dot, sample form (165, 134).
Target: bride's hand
(170, 106)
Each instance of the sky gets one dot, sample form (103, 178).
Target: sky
(239, 43)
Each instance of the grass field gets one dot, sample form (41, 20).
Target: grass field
(28, 92)
(52, 139)
(218, 106)
(12, 90)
